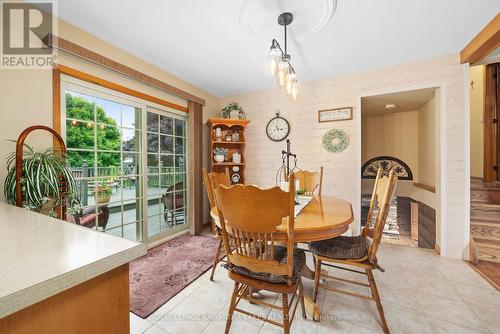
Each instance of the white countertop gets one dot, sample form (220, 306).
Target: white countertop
(42, 256)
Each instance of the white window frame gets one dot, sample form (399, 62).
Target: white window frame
(84, 87)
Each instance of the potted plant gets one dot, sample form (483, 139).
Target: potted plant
(220, 154)
(42, 173)
(234, 111)
(103, 192)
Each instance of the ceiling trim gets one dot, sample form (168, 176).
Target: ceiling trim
(483, 44)
(62, 44)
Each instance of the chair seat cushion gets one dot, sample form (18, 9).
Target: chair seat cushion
(342, 247)
(280, 254)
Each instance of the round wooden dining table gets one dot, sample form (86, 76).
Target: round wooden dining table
(323, 218)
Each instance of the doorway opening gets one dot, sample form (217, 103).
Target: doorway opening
(400, 132)
(485, 159)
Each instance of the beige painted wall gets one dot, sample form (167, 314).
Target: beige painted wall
(393, 134)
(27, 94)
(342, 170)
(427, 144)
(476, 120)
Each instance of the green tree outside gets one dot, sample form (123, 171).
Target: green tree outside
(80, 134)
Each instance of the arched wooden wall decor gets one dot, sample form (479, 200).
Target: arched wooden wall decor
(388, 164)
(61, 213)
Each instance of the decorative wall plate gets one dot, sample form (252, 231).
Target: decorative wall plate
(388, 164)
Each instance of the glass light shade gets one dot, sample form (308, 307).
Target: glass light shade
(295, 90)
(282, 72)
(290, 78)
(274, 55)
(273, 66)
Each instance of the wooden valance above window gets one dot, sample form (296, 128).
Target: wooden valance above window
(96, 58)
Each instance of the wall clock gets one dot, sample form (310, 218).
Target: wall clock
(277, 128)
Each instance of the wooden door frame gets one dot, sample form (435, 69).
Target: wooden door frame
(487, 40)
(490, 136)
(441, 186)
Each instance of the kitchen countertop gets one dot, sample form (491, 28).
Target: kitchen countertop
(42, 256)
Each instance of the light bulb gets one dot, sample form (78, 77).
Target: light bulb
(282, 72)
(295, 90)
(290, 78)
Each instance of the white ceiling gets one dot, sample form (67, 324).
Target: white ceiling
(404, 101)
(207, 43)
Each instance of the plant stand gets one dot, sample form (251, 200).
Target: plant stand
(61, 211)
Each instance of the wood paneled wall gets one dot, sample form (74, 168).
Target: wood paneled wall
(342, 170)
(426, 226)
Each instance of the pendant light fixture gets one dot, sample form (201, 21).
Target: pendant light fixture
(280, 66)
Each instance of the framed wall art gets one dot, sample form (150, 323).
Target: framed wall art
(336, 114)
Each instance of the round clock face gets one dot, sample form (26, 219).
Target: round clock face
(277, 129)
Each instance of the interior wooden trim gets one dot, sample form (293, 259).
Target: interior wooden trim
(196, 123)
(437, 249)
(489, 173)
(62, 69)
(489, 280)
(94, 57)
(56, 102)
(425, 187)
(483, 44)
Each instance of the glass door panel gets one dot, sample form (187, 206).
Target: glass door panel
(166, 173)
(104, 145)
(129, 161)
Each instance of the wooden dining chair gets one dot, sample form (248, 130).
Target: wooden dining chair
(212, 180)
(249, 216)
(359, 251)
(309, 181)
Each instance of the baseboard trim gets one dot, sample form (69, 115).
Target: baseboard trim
(493, 284)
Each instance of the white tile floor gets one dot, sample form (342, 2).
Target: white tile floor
(421, 293)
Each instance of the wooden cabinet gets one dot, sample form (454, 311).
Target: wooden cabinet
(228, 135)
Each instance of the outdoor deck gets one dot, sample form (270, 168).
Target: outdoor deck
(125, 198)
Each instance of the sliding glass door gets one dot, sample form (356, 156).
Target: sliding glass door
(129, 161)
(166, 172)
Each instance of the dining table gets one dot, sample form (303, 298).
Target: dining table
(323, 217)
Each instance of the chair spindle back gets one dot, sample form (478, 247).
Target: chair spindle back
(249, 216)
(219, 178)
(383, 191)
(310, 181)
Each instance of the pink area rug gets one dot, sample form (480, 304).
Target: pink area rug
(167, 269)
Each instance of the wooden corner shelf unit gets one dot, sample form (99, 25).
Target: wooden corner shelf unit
(228, 128)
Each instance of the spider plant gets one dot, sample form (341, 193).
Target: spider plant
(42, 173)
